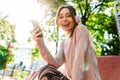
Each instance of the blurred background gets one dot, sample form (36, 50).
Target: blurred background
(19, 55)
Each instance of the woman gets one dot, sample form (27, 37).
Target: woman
(76, 51)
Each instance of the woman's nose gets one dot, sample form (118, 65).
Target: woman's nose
(65, 18)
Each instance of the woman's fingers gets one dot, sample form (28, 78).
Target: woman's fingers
(36, 26)
(36, 29)
(37, 34)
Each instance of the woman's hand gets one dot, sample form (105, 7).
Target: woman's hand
(37, 32)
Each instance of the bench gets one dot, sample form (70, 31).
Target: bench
(109, 67)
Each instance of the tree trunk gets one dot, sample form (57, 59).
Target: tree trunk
(9, 46)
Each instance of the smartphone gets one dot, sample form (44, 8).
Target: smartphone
(35, 24)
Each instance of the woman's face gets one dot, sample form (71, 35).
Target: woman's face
(65, 20)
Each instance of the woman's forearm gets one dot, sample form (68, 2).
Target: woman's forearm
(44, 52)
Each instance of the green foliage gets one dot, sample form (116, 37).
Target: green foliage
(18, 71)
(20, 75)
(101, 24)
(104, 32)
(3, 55)
(6, 38)
(99, 18)
(35, 53)
(6, 30)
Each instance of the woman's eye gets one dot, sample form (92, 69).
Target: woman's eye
(68, 15)
(60, 16)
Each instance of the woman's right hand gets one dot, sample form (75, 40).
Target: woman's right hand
(37, 32)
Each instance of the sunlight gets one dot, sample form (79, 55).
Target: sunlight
(20, 13)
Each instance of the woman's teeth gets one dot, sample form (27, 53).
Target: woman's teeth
(66, 24)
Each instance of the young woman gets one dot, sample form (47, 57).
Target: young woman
(76, 51)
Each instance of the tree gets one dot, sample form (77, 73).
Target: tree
(100, 24)
(104, 31)
(6, 40)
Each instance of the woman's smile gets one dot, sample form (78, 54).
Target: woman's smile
(65, 24)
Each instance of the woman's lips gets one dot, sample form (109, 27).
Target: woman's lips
(65, 24)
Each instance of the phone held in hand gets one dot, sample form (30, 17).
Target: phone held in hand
(35, 24)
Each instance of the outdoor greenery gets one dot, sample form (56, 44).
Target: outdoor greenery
(19, 72)
(99, 18)
(97, 15)
(6, 40)
(34, 55)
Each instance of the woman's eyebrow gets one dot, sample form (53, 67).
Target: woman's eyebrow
(65, 13)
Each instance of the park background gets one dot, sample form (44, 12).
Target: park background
(18, 52)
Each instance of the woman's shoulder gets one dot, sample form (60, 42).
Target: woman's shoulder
(80, 27)
(62, 42)
(80, 31)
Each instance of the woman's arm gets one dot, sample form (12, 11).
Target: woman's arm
(44, 52)
(38, 37)
(80, 50)
(59, 58)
